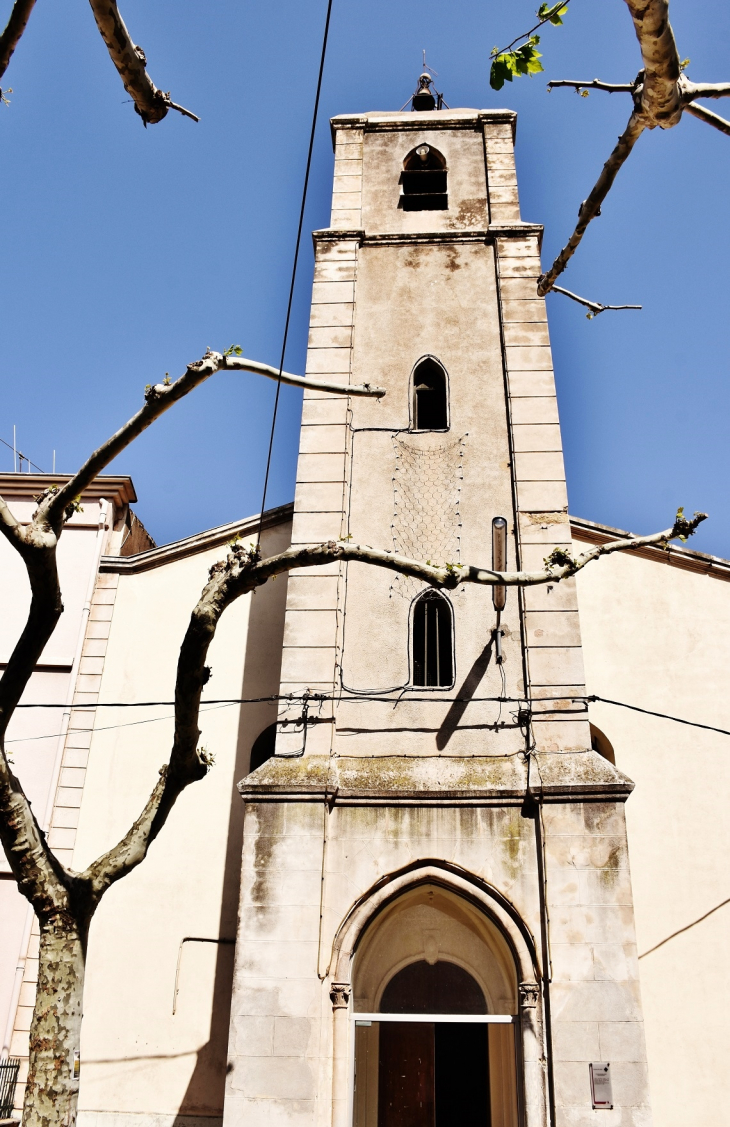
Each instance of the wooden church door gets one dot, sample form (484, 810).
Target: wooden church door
(433, 1074)
(406, 1087)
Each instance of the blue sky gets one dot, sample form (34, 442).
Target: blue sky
(127, 251)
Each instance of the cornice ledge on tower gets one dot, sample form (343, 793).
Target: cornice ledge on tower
(405, 238)
(489, 234)
(338, 235)
(386, 121)
(579, 776)
(435, 780)
(517, 230)
(388, 780)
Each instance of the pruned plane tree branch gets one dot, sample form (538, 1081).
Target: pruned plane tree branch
(19, 16)
(65, 900)
(593, 307)
(661, 93)
(151, 103)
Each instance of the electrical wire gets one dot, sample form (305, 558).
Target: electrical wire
(294, 265)
(112, 727)
(23, 457)
(661, 715)
(298, 698)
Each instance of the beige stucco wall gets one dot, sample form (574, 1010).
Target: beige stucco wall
(658, 636)
(137, 1056)
(33, 734)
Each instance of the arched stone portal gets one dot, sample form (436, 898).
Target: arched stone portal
(432, 952)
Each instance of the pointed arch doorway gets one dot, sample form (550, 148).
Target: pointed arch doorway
(434, 1012)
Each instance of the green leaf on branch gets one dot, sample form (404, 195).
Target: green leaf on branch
(511, 64)
(234, 350)
(684, 527)
(508, 64)
(206, 757)
(558, 558)
(552, 14)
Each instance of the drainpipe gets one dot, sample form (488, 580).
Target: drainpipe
(56, 773)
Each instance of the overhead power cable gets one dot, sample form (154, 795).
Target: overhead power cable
(661, 715)
(298, 698)
(23, 457)
(295, 263)
(400, 699)
(112, 727)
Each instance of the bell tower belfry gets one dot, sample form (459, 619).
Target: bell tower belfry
(435, 871)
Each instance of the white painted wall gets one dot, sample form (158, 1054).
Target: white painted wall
(33, 734)
(137, 1057)
(659, 637)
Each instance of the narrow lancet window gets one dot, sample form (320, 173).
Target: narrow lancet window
(433, 661)
(423, 180)
(430, 401)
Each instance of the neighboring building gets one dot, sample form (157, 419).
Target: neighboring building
(413, 847)
(42, 742)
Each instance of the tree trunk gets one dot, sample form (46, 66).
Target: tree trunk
(52, 1093)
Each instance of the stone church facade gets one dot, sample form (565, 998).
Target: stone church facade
(416, 905)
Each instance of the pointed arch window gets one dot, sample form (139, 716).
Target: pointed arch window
(423, 181)
(430, 396)
(432, 645)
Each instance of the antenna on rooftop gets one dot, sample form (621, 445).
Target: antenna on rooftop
(19, 457)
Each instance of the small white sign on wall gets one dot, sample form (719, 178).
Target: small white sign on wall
(601, 1093)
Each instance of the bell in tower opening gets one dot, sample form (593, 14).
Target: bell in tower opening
(425, 98)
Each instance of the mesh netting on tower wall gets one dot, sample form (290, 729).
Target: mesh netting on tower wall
(426, 503)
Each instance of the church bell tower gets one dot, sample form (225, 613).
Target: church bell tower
(436, 920)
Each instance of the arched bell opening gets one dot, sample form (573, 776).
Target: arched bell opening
(444, 1051)
(424, 183)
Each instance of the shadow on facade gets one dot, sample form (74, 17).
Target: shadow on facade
(262, 670)
(465, 692)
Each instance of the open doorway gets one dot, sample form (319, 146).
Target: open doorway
(435, 999)
(433, 1073)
